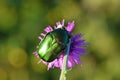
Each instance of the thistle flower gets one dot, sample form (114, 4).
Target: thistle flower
(77, 47)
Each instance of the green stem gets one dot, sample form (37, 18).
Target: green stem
(65, 60)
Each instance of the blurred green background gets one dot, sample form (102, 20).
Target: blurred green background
(21, 21)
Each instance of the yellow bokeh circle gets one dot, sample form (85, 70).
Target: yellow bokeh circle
(3, 74)
(17, 57)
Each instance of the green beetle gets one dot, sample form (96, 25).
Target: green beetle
(53, 44)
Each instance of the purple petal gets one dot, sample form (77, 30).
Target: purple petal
(79, 42)
(36, 54)
(55, 27)
(48, 29)
(80, 51)
(49, 66)
(37, 47)
(56, 63)
(58, 23)
(70, 26)
(60, 62)
(77, 60)
(39, 61)
(63, 21)
(42, 34)
(70, 62)
(76, 37)
(40, 38)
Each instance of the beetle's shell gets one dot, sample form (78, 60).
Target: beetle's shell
(53, 44)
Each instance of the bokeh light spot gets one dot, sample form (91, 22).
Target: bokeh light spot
(3, 74)
(17, 57)
(19, 75)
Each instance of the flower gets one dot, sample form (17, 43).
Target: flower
(77, 47)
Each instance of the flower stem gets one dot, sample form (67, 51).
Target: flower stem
(65, 61)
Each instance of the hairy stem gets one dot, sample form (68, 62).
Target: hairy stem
(65, 60)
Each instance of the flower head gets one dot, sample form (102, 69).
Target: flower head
(77, 47)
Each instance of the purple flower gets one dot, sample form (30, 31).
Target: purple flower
(77, 47)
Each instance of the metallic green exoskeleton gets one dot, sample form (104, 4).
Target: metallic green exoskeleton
(53, 44)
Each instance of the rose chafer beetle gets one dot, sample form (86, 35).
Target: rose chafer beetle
(53, 44)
